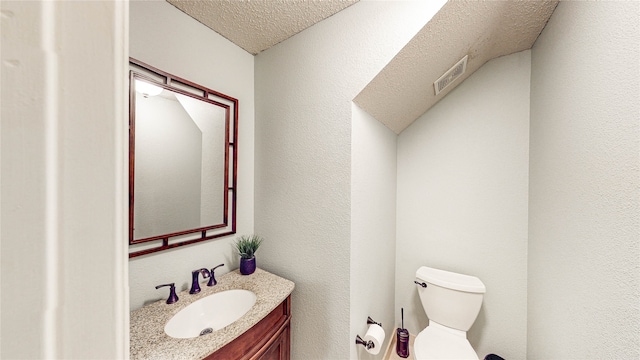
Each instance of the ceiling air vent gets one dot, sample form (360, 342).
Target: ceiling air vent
(451, 74)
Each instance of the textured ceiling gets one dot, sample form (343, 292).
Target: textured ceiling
(403, 90)
(256, 25)
(484, 30)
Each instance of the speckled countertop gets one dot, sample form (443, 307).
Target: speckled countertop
(149, 341)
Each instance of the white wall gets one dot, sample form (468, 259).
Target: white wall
(462, 200)
(304, 88)
(166, 38)
(373, 228)
(584, 253)
(64, 280)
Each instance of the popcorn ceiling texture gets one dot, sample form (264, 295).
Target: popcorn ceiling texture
(403, 90)
(149, 341)
(584, 253)
(484, 30)
(258, 25)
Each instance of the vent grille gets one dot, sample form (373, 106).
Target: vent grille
(451, 75)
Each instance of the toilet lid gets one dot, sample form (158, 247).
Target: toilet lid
(433, 343)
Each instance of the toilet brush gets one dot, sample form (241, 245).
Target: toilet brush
(402, 339)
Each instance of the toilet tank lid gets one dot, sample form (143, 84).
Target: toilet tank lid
(450, 280)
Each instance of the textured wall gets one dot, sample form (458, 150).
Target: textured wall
(584, 254)
(304, 88)
(373, 227)
(164, 37)
(462, 200)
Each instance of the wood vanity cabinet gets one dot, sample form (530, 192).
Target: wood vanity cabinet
(269, 339)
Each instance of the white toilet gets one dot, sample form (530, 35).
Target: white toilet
(452, 303)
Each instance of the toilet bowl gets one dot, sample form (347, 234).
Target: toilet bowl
(452, 302)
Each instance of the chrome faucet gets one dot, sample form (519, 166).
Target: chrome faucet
(195, 286)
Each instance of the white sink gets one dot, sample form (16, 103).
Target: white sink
(210, 314)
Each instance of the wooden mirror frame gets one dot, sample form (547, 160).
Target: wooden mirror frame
(140, 70)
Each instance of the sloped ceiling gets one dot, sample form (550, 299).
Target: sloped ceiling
(483, 30)
(403, 90)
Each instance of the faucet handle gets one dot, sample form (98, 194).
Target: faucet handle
(172, 293)
(212, 279)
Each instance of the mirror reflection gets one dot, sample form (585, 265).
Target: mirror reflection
(180, 162)
(182, 181)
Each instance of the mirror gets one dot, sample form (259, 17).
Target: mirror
(182, 161)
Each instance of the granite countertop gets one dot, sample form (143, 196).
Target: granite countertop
(149, 341)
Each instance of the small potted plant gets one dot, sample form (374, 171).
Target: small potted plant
(247, 247)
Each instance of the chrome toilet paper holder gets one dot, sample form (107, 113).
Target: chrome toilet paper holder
(367, 344)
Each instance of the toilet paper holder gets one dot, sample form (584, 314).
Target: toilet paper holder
(367, 344)
(370, 321)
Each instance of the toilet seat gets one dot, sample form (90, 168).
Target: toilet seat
(436, 343)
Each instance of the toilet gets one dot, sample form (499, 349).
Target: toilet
(452, 302)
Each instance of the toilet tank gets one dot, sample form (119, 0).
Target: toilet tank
(450, 299)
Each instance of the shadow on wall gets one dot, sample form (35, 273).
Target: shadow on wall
(475, 334)
(419, 313)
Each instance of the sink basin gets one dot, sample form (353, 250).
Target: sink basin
(210, 314)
